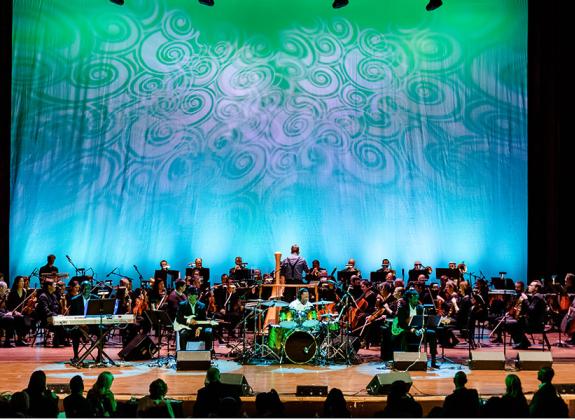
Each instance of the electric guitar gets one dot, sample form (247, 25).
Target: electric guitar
(397, 330)
(179, 327)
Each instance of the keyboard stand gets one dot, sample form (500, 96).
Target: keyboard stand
(99, 345)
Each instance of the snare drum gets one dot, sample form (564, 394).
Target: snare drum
(287, 319)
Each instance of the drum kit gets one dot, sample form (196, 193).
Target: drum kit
(310, 336)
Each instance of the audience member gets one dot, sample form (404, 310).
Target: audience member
(229, 407)
(400, 403)
(101, 397)
(492, 408)
(335, 404)
(462, 402)
(268, 404)
(75, 404)
(546, 401)
(155, 405)
(513, 402)
(210, 396)
(43, 402)
(18, 406)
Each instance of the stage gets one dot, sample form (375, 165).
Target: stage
(429, 388)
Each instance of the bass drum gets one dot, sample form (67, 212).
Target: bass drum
(300, 346)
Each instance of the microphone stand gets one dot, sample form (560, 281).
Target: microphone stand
(79, 271)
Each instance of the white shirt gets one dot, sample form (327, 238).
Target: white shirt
(298, 306)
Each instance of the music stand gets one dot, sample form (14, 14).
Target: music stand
(163, 275)
(344, 276)
(241, 275)
(204, 273)
(377, 276)
(502, 283)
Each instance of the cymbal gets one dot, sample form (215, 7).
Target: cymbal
(276, 303)
(323, 302)
(328, 315)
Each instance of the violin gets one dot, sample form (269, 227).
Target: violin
(29, 305)
(141, 303)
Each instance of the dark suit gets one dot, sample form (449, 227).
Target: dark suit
(547, 403)
(407, 340)
(48, 306)
(209, 397)
(200, 314)
(462, 402)
(532, 319)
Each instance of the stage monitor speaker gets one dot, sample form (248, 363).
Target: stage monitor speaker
(565, 388)
(311, 391)
(193, 360)
(140, 348)
(492, 360)
(381, 383)
(236, 384)
(531, 360)
(409, 360)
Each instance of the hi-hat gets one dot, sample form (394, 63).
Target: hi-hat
(323, 302)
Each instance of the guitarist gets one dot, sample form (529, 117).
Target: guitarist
(406, 336)
(191, 313)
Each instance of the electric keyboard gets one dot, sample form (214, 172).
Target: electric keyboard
(92, 320)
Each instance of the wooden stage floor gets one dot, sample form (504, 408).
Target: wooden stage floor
(132, 378)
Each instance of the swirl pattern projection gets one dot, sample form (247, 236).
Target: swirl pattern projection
(166, 129)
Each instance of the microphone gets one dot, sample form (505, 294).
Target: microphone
(244, 264)
(306, 350)
(69, 259)
(112, 272)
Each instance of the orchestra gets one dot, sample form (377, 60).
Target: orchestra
(316, 307)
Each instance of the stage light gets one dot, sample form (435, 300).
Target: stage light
(118, 2)
(207, 2)
(339, 3)
(433, 4)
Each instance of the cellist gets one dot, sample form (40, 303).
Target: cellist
(358, 315)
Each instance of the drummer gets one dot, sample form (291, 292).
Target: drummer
(302, 303)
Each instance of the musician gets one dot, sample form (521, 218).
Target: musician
(15, 304)
(354, 287)
(366, 308)
(385, 267)
(416, 271)
(228, 303)
(158, 293)
(204, 272)
(6, 318)
(48, 306)
(531, 317)
(292, 268)
(49, 268)
(569, 283)
(453, 272)
(302, 303)
(176, 297)
(316, 273)
(189, 313)
(124, 296)
(79, 307)
(409, 337)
